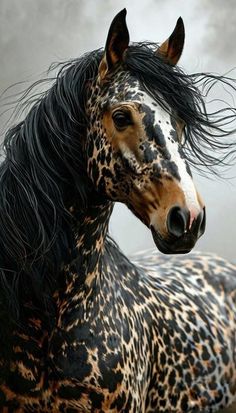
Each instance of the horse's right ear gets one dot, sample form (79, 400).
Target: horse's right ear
(116, 44)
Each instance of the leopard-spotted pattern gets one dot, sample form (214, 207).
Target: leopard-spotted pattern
(151, 334)
(154, 334)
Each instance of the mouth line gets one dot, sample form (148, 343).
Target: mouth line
(181, 245)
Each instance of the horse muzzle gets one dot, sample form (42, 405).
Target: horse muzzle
(182, 231)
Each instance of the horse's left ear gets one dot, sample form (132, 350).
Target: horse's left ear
(172, 48)
(116, 44)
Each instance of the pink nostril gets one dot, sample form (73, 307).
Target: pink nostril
(197, 221)
(193, 216)
(201, 222)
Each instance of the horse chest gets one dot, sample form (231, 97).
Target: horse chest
(101, 365)
(23, 377)
(114, 355)
(94, 374)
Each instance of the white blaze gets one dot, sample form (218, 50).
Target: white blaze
(162, 118)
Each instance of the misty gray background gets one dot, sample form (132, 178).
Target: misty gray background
(35, 33)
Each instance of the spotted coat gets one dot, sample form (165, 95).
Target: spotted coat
(153, 334)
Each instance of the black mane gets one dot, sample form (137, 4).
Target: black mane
(43, 170)
(42, 173)
(206, 146)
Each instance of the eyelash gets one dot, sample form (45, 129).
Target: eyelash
(121, 119)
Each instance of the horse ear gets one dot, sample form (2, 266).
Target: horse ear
(116, 44)
(172, 48)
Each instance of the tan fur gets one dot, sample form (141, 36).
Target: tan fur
(160, 196)
(130, 135)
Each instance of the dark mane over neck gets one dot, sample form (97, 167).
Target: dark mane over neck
(43, 171)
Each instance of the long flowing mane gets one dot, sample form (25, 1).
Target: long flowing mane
(43, 170)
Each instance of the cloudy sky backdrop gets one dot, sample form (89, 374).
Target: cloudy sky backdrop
(35, 33)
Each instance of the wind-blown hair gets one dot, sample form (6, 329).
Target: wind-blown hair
(44, 167)
(205, 146)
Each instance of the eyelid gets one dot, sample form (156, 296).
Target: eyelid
(121, 108)
(122, 118)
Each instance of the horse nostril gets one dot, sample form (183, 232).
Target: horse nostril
(201, 222)
(177, 221)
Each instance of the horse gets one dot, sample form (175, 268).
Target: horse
(83, 327)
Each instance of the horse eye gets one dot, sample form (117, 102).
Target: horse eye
(121, 119)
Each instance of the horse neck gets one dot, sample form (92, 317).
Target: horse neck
(90, 231)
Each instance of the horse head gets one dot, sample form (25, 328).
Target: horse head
(135, 138)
